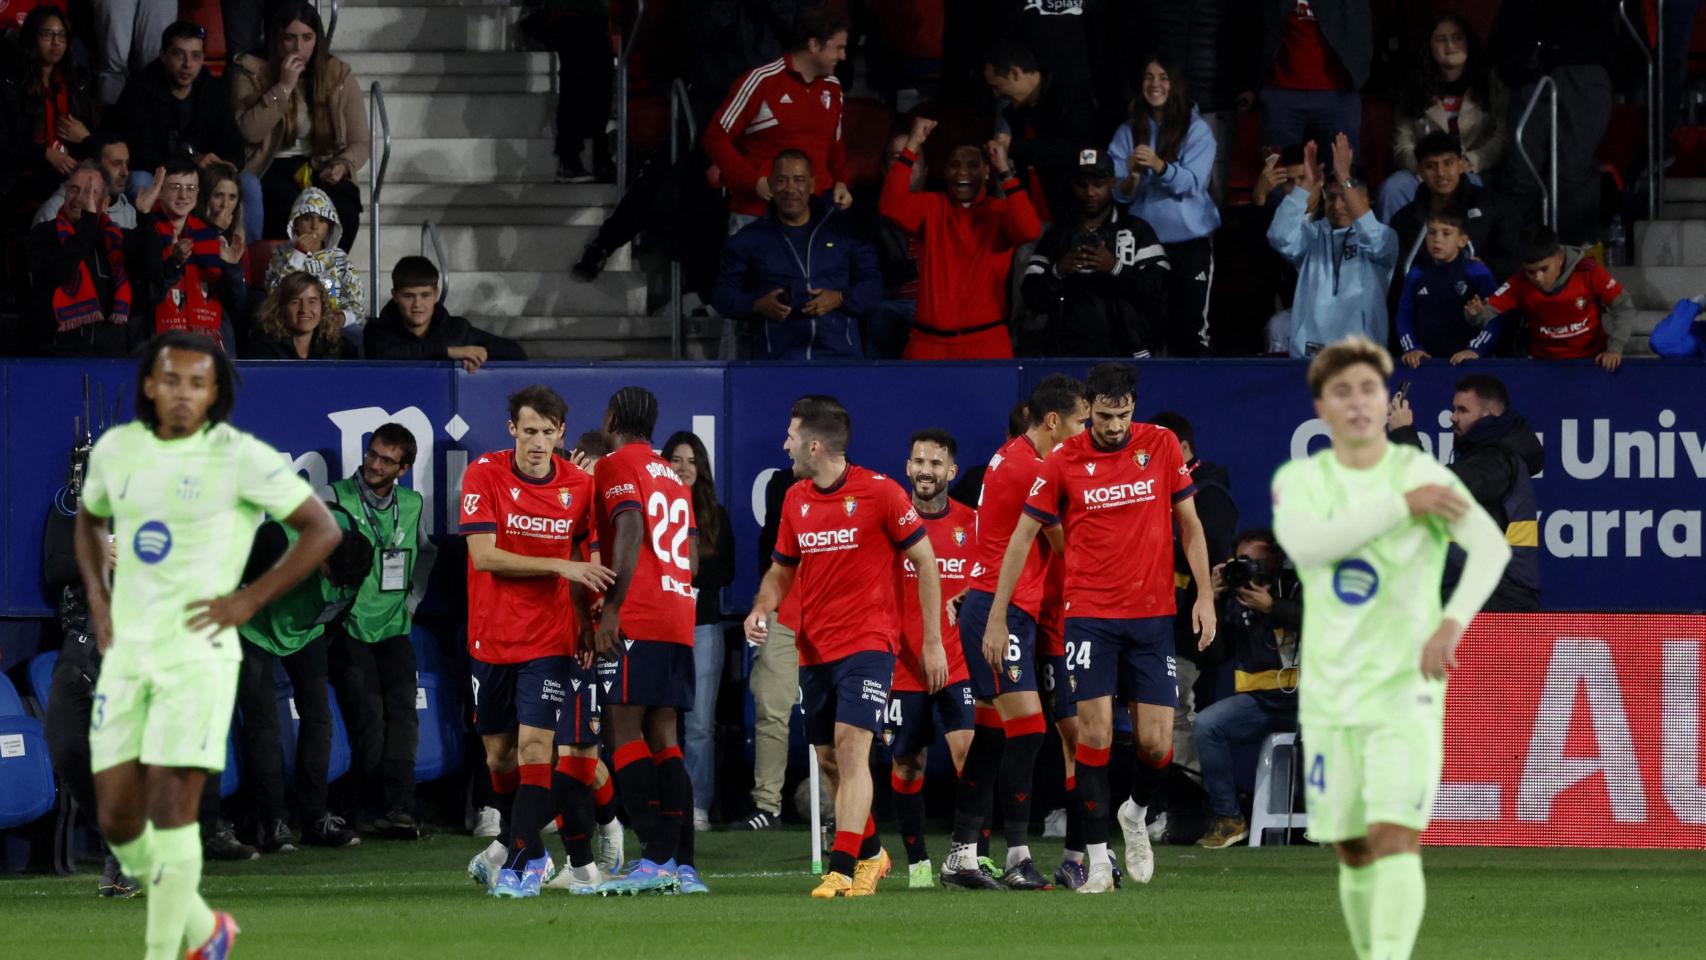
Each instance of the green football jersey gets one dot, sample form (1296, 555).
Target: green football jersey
(1368, 611)
(184, 514)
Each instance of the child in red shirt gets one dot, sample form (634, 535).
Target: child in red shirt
(1573, 308)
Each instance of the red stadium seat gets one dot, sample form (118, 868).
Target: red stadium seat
(255, 262)
(648, 123)
(865, 125)
(1244, 164)
(206, 13)
(1621, 149)
(1375, 150)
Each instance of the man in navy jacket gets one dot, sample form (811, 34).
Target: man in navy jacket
(800, 272)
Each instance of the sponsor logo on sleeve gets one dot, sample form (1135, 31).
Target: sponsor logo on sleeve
(470, 503)
(621, 489)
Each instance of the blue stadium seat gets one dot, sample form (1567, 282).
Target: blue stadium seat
(11, 705)
(287, 724)
(26, 772)
(440, 748)
(428, 657)
(230, 779)
(41, 675)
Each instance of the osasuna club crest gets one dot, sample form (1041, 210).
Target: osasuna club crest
(564, 497)
(849, 504)
(888, 738)
(1013, 673)
(960, 536)
(1141, 458)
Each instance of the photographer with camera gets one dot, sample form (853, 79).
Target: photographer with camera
(1260, 604)
(1100, 275)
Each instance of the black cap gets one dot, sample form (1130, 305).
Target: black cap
(1094, 164)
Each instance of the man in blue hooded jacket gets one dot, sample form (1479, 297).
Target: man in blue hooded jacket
(800, 272)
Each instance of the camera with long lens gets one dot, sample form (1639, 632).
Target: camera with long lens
(1244, 572)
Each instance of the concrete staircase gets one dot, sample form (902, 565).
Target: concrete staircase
(471, 138)
(1670, 257)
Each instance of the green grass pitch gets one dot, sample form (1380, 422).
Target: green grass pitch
(413, 900)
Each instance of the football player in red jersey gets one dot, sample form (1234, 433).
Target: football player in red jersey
(522, 512)
(841, 527)
(645, 640)
(1116, 490)
(914, 715)
(1010, 724)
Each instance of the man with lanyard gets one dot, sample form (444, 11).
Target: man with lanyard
(373, 661)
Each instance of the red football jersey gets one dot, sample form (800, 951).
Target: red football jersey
(660, 600)
(842, 542)
(516, 619)
(1117, 507)
(1005, 485)
(953, 535)
(1568, 323)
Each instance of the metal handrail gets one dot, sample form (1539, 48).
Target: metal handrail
(1655, 116)
(622, 96)
(429, 233)
(1549, 197)
(679, 107)
(331, 23)
(378, 120)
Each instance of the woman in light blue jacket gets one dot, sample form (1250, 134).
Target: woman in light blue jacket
(1167, 169)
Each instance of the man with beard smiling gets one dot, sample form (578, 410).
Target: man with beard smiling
(1100, 276)
(801, 276)
(914, 714)
(968, 237)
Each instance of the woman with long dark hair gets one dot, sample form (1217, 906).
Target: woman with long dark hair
(304, 121)
(1165, 154)
(1451, 89)
(687, 457)
(47, 113)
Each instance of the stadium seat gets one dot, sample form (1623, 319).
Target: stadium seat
(1273, 807)
(1624, 144)
(428, 657)
(41, 675)
(1374, 153)
(648, 123)
(255, 262)
(439, 751)
(865, 127)
(1245, 163)
(206, 13)
(11, 705)
(26, 772)
(288, 722)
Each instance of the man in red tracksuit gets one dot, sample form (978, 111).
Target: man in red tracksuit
(793, 102)
(968, 238)
(1573, 307)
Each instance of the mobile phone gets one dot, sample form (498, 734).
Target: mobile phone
(1403, 391)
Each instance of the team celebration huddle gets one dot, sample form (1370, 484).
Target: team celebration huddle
(1051, 603)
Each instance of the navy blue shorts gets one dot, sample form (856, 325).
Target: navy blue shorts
(579, 721)
(1128, 659)
(1018, 669)
(853, 690)
(1057, 689)
(913, 717)
(526, 694)
(649, 673)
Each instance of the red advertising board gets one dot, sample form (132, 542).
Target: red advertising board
(1577, 730)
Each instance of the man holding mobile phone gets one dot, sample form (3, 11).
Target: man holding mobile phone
(1098, 274)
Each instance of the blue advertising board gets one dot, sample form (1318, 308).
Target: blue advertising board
(1623, 492)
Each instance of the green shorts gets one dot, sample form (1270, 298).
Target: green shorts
(175, 717)
(1355, 776)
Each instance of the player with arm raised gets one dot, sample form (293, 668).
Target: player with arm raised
(1367, 524)
(181, 491)
(1000, 649)
(914, 714)
(1116, 489)
(841, 527)
(523, 509)
(645, 641)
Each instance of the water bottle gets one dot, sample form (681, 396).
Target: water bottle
(1616, 243)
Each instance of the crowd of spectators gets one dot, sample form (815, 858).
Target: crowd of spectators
(1314, 140)
(1095, 168)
